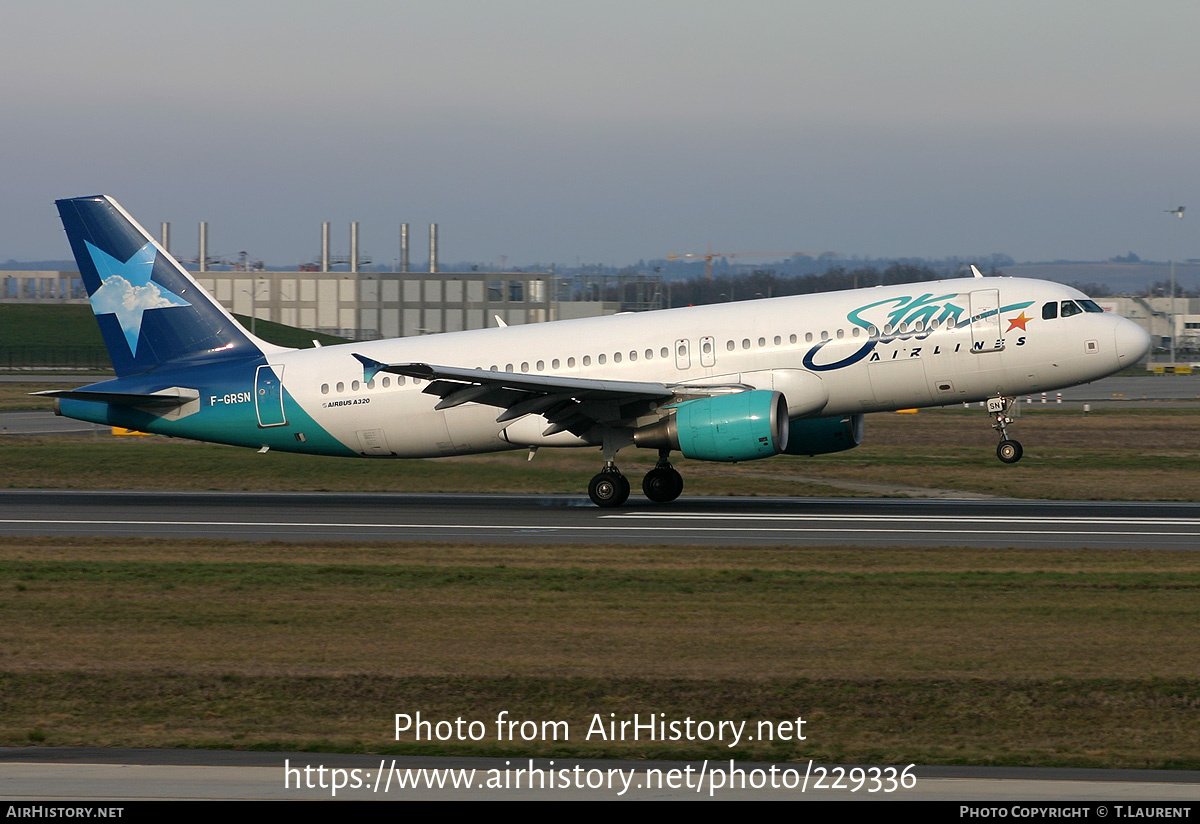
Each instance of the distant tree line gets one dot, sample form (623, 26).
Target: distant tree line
(1093, 290)
(1158, 289)
(1162, 289)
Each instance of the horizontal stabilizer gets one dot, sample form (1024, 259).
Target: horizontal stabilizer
(120, 398)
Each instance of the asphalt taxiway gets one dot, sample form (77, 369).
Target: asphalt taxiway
(571, 519)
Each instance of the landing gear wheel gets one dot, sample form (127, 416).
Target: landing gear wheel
(609, 489)
(662, 484)
(1009, 451)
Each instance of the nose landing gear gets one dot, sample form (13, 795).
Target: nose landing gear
(1008, 451)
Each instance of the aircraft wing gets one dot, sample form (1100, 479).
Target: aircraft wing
(574, 404)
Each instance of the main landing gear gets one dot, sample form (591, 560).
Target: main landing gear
(1008, 451)
(661, 485)
(609, 488)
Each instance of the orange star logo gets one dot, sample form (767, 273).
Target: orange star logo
(1018, 323)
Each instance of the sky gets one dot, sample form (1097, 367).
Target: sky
(556, 131)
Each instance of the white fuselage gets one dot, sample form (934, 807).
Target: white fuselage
(911, 345)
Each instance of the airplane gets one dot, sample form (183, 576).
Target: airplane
(729, 382)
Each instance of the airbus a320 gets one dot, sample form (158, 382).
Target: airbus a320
(729, 382)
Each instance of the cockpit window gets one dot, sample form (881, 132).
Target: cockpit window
(1090, 306)
(1070, 307)
(1049, 311)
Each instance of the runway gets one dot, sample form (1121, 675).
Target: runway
(569, 519)
(45, 422)
(60, 774)
(1120, 391)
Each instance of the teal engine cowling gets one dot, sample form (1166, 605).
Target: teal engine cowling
(737, 427)
(819, 436)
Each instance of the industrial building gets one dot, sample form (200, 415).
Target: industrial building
(369, 305)
(1158, 316)
(354, 302)
(364, 305)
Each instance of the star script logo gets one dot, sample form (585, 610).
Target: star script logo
(127, 291)
(1018, 323)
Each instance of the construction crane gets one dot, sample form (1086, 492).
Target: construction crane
(710, 255)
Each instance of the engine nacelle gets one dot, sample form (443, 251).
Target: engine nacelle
(819, 436)
(738, 427)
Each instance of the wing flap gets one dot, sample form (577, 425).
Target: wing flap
(566, 402)
(577, 387)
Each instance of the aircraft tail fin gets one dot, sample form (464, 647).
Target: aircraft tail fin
(150, 310)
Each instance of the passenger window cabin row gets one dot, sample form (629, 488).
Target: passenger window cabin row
(1050, 311)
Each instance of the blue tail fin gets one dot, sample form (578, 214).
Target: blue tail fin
(149, 308)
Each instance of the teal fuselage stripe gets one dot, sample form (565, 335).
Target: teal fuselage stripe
(234, 423)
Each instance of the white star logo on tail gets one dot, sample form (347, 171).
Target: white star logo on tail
(127, 291)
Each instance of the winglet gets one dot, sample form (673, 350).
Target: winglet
(975, 271)
(371, 368)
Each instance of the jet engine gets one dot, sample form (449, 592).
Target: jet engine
(739, 427)
(819, 436)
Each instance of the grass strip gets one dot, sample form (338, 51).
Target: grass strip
(1063, 722)
(1131, 455)
(1006, 656)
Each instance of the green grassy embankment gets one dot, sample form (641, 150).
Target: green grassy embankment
(60, 338)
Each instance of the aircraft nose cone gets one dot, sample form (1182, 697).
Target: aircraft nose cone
(1132, 343)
